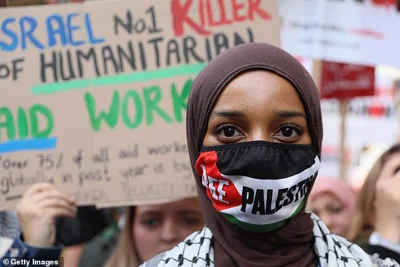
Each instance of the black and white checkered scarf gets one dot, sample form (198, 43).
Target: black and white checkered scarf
(332, 250)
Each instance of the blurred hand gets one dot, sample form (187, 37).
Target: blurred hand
(387, 201)
(37, 211)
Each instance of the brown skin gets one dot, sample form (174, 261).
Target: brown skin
(332, 212)
(258, 105)
(158, 228)
(386, 215)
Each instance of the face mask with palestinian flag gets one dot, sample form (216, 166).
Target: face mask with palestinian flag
(258, 185)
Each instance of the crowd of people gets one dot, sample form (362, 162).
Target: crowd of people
(254, 125)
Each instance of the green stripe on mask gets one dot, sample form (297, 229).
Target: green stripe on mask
(263, 227)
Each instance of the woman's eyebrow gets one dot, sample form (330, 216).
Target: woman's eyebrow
(149, 213)
(227, 113)
(289, 114)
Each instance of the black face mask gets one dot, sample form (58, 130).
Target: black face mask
(258, 185)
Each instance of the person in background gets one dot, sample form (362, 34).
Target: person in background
(42, 203)
(333, 201)
(37, 212)
(376, 220)
(9, 225)
(146, 231)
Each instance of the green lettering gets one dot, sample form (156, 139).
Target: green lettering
(153, 96)
(111, 118)
(7, 123)
(22, 123)
(132, 94)
(34, 111)
(179, 101)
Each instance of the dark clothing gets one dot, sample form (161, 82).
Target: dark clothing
(383, 252)
(99, 250)
(22, 251)
(88, 223)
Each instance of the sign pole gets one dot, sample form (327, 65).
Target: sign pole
(342, 142)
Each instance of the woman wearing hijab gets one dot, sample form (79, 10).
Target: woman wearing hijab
(254, 133)
(333, 201)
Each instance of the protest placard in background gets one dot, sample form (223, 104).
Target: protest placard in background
(365, 116)
(363, 32)
(94, 94)
(343, 81)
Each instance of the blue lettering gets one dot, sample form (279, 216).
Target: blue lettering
(71, 29)
(8, 32)
(60, 31)
(55, 26)
(27, 33)
(92, 39)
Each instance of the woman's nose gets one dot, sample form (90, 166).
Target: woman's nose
(259, 133)
(170, 232)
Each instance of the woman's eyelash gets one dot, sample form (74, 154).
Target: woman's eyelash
(291, 125)
(221, 127)
(296, 127)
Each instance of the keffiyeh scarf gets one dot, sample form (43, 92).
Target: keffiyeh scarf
(332, 250)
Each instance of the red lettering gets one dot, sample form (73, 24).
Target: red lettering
(236, 8)
(211, 21)
(254, 7)
(224, 19)
(180, 16)
(201, 13)
(376, 110)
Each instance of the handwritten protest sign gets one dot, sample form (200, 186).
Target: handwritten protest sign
(94, 95)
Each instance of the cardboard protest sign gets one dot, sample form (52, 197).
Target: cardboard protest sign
(94, 94)
(362, 32)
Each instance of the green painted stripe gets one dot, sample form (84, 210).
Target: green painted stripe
(264, 227)
(185, 70)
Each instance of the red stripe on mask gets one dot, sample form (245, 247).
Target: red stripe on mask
(221, 191)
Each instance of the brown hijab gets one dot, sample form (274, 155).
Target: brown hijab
(292, 244)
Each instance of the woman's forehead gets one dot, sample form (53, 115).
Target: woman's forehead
(259, 88)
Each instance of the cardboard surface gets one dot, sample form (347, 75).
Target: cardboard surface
(94, 94)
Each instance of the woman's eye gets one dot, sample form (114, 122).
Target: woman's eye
(228, 131)
(150, 223)
(288, 131)
(396, 170)
(288, 134)
(335, 210)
